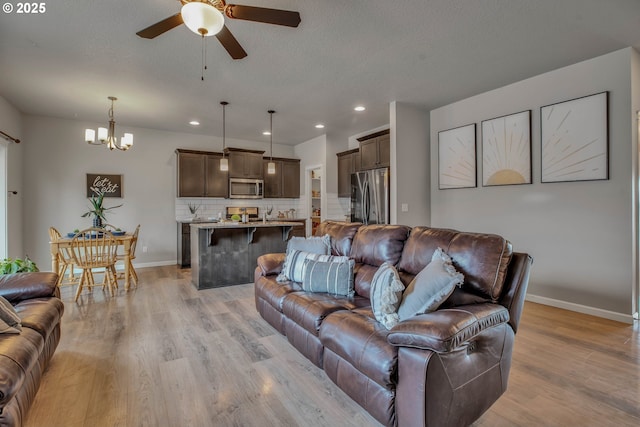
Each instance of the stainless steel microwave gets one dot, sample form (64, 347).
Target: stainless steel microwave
(241, 188)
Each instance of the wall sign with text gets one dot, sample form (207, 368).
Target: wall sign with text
(109, 185)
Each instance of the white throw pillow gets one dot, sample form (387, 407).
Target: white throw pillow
(431, 286)
(386, 295)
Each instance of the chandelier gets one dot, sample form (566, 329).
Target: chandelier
(107, 136)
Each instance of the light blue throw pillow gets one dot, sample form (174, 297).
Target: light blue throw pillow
(431, 286)
(333, 277)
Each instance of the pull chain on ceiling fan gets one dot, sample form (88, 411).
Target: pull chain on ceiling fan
(206, 18)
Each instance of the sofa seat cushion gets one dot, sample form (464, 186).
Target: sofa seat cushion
(40, 314)
(19, 353)
(358, 338)
(273, 292)
(309, 310)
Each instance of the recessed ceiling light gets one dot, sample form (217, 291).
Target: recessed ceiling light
(194, 123)
(266, 132)
(359, 108)
(319, 126)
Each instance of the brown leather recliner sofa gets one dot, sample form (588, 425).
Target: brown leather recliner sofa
(443, 368)
(25, 356)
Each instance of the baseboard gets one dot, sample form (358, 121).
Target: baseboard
(593, 311)
(120, 266)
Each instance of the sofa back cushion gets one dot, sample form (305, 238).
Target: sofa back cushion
(341, 235)
(482, 259)
(372, 246)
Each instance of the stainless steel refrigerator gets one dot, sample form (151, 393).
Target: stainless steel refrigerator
(370, 196)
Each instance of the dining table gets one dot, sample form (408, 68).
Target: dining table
(124, 240)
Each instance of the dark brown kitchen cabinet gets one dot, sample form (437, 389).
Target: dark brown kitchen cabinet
(272, 183)
(245, 163)
(375, 150)
(199, 174)
(184, 244)
(217, 181)
(190, 174)
(348, 163)
(285, 183)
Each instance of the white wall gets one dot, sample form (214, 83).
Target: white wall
(11, 123)
(579, 233)
(410, 162)
(57, 159)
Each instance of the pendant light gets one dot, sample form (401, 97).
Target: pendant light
(224, 162)
(271, 166)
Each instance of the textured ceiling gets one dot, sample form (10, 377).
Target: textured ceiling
(66, 61)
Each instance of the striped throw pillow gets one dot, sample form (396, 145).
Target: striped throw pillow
(333, 277)
(293, 267)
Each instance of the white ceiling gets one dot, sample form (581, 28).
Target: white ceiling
(429, 53)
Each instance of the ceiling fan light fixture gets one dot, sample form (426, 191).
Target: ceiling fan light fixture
(202, 18)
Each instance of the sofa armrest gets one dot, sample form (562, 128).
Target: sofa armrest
(271, 263)
(444, 330)
(22, 286)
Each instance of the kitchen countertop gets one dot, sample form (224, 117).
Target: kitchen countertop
(230, 224)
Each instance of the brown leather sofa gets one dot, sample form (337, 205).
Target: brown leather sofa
(25, 356)
(444, 368)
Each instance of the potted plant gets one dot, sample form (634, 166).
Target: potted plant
(98, 210)
(11, 266)
(193, 208)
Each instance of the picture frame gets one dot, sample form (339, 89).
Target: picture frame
(574, 137)
(506, 150)
(457, 158)
(108, 184)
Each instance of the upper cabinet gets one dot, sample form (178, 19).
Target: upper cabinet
(375, 150)
(285, 183)
(348, 163)
(245, 163)
(199, 174)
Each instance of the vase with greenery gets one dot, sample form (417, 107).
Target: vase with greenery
(11, 266)
(193, 208)
(97, 210)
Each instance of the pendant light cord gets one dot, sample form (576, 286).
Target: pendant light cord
(224, 104)
(271, 134)
(204, 57)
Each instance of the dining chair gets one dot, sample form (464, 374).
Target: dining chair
(132, 255)
(65, 261)
(94, 248)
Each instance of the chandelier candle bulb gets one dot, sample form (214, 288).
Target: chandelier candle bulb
(102, 134)
(90, 136)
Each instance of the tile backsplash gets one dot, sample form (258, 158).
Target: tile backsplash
(337, 208)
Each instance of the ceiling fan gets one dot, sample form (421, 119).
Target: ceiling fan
(206, 18)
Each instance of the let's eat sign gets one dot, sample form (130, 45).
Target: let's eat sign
(109, 185)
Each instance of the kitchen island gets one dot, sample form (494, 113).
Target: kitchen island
(225, 253)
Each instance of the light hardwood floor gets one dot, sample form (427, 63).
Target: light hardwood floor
(166, 354)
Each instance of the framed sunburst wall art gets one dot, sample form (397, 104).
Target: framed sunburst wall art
(574, 137)
(506, 150)
(457, 157)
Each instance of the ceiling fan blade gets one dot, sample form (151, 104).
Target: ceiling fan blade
(230, 43)
(262, 14)
(163, 26)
